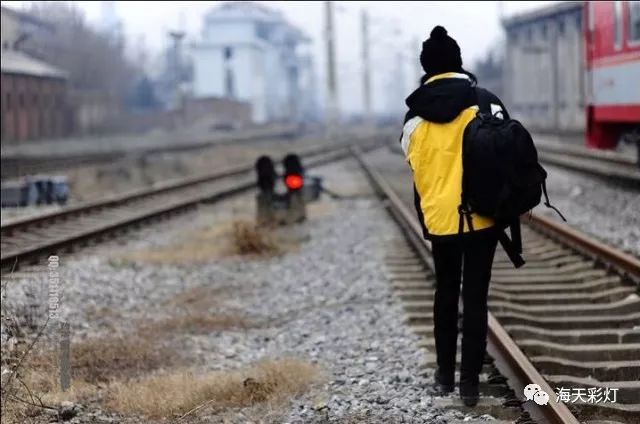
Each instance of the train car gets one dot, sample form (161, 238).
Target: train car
(612, 57)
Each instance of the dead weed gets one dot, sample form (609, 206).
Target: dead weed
(180, 393)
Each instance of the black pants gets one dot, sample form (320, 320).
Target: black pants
(476, 254)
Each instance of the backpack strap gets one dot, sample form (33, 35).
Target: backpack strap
(547, 204)
(510, 249)
(483, 101)
(516, 236)
(464, 213)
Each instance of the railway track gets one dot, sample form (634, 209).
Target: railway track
(15, 166)
(28, 239)
(604, 164)
(570, 319)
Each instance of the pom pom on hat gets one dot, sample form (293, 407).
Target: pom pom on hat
(438, 33)
(440, 53)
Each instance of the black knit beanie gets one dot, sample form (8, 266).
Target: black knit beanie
(440, 53)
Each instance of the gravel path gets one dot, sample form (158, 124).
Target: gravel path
(326, 300)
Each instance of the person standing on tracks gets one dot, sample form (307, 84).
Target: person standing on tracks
(439, 111)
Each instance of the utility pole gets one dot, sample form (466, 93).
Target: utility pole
(177, 37)
(332, 91)
(366, 69)
(400, 89)
(415, 52)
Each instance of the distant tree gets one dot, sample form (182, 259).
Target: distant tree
(94, 60)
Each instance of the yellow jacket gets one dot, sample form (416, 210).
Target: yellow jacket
(439, 112)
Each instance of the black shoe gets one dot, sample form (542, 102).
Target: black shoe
(469, 392)
(442, 385)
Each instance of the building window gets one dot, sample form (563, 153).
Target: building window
(20, 100)
(634, 21)
(9, 103)
(543, 31)
(35, 100)
(560, 27)
(228, 53)
(617, 25)
(262, 31)
(229, 84)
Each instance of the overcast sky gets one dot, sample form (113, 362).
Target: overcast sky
(397, 29)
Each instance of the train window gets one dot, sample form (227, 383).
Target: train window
(634, 21)
(617, 25)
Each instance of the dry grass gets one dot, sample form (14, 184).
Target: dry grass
(203, 298)
(249, 239)
(196, 324)
(193, 313)
(102, 360)
(37, 388)
(99, 362)
(166, 396)
(206, 245)
(210, 244)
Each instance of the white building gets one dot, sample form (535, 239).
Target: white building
(249, 52)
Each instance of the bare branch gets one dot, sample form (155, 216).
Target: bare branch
(20, 362)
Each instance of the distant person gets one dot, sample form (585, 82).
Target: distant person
(439, 111)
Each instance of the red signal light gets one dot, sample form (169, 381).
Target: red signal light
(293, 181)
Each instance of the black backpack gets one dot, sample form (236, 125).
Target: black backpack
(502, 178)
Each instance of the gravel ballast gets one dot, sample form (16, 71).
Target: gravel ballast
(325, 299)
(602, 209)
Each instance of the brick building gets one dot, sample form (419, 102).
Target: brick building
(33, 98)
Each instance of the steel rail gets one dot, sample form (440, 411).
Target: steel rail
(510, 360)
(165, 186)
(610, 257)
(33, 251)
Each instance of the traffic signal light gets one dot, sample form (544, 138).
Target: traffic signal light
(293, 172)
(294, 181)
(266, 174)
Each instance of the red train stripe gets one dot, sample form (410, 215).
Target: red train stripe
(615, 60)
(617, 113)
